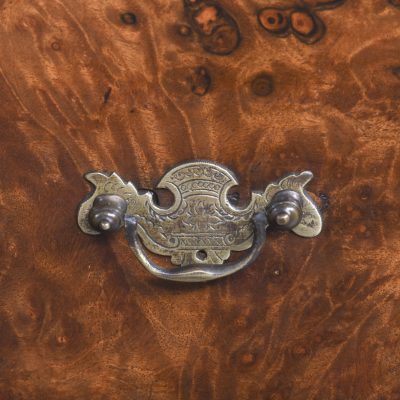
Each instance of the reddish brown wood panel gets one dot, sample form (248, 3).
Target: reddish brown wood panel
(138, 86)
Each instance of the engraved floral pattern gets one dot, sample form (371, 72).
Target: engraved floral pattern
(201, 218)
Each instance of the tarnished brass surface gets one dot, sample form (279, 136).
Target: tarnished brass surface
(87, 86)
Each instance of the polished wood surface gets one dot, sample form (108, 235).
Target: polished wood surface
(138, 86)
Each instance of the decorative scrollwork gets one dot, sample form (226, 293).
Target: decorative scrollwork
(201, 217)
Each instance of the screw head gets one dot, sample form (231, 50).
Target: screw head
(282, 218)
(104, 225)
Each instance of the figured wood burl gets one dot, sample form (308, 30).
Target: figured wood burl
(138, 86)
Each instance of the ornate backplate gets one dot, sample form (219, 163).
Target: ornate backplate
(201, 226)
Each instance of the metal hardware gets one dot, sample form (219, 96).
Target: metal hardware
(202, 226)
(285, 211)
(107, 212)
(200, 272)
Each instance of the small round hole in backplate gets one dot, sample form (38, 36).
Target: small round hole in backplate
(201, 255)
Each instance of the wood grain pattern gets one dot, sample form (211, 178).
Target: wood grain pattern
(83, 88)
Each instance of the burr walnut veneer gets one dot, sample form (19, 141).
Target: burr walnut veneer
(263, 87)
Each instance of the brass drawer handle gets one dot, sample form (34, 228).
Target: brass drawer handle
(201, 227)
(196, 272)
